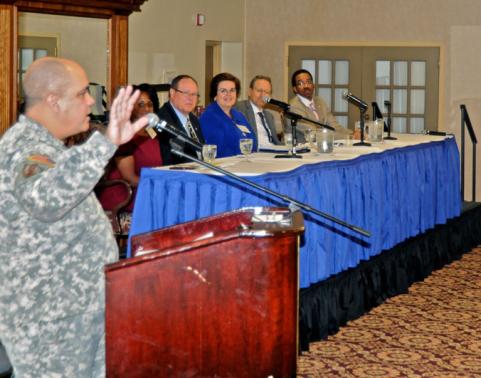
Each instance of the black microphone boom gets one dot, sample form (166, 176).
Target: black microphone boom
(356, 101)
(159, 125)
(278, 103)
(292, 202)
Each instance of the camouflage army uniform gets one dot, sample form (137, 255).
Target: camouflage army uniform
(54, 243)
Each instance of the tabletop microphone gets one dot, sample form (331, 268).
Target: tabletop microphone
(157, 125)
(280, 104)
(433, 132)
(356, 101)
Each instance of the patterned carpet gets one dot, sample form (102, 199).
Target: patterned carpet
(433, 331)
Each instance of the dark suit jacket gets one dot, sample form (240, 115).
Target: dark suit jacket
(167, 113)
(245, 108)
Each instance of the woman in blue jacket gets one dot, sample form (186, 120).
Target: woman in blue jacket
(221, 124)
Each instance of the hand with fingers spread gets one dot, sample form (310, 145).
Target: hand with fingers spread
(120, 129)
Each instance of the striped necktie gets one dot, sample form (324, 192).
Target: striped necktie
(191, 130)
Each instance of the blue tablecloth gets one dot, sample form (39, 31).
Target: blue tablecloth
(395, 195)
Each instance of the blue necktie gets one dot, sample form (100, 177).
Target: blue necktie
(266, 128)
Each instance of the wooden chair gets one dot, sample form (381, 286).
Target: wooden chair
(121, 233)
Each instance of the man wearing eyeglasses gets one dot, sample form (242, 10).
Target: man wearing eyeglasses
(306, 104)
(178, 112)
(261, 120)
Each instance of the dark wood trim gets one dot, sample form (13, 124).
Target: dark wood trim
(118, 54)
(8, 64)
(81, 8)
(116, 11)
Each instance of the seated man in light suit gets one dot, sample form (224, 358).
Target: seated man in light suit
(261, 120)
(310, 106)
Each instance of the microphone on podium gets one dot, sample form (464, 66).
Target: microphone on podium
(157, 125)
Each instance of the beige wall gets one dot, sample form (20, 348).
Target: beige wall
(164, 40)
(454, 25)
(81, 39)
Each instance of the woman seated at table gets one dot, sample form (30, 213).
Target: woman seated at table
(141, 151)
(221, 123)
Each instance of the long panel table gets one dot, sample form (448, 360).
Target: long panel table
(395, 190)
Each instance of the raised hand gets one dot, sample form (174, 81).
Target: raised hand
(120, 130)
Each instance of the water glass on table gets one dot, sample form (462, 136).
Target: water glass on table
(245, 145)
(288, 142)
(209, 152)
(325, 141)
(310, 136)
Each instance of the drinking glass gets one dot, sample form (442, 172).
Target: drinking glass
(325, 141)
(310, 136)
(209, 152)
(245, 146)
(288, 142)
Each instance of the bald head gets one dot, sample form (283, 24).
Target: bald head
(57, 97)
(47, 76)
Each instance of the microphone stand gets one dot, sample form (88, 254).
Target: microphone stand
(362, 143)
(292, 202)
(294, 117)
(387, 104)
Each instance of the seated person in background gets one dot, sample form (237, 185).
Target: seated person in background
(221, 123)
(261, 120)
(141, 151)
(183, 97)
(310, 106)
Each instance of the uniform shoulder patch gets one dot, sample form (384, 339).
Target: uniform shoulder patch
(41, 160)
(35, 164)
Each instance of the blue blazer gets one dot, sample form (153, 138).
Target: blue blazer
(218, 128)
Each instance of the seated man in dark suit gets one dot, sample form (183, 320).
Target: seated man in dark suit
(261, 120)
(183, 97)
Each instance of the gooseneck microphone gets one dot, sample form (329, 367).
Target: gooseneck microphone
(278, 103)
(356, 101)
(157, 126)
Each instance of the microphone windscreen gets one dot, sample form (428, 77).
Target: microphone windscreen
(153, 119)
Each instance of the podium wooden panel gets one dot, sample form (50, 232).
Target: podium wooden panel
(217, 297)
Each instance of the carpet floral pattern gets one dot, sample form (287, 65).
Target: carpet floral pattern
(433, 331)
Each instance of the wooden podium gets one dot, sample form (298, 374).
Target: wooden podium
(216, 297)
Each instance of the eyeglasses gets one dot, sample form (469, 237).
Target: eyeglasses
(306, 83)
(225, 90)
(188, 94)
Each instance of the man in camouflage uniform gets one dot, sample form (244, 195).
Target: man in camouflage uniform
(55, 238)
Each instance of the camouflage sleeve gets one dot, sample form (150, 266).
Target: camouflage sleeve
(48, 188)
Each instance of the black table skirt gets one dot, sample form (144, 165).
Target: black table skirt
(330, 304)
